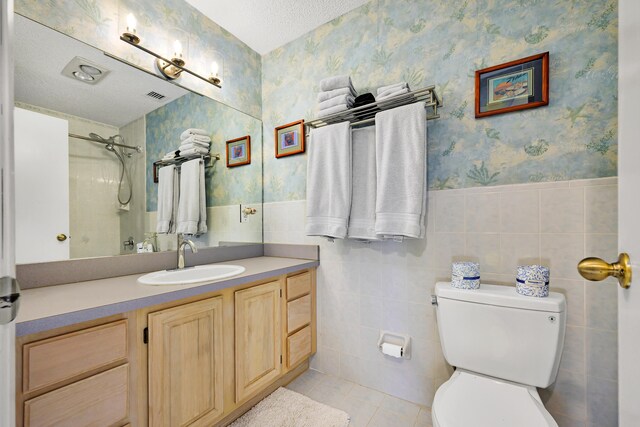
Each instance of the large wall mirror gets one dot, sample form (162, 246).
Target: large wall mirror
(80, 196)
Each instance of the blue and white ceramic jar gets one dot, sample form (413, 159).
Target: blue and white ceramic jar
(465, 275)
(533, 281)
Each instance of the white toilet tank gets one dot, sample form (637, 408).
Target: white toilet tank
(497, 332)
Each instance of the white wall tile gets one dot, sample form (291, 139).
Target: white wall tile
(450, 211)
(562, 253)
(601, 209)
(482, 213)
(562, 210)
(387, 285)
(520, 212)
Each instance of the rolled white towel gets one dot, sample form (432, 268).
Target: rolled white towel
(323, 96)
(196, 138)
(185, 147)
(193, 151)
(193, 131)
(392, 94)
(336, 82)
(332, 110)
(393, 87)
(337, 100)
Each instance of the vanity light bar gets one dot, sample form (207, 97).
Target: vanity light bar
(213, 80)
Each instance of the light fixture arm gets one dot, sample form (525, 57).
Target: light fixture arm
(171, 63)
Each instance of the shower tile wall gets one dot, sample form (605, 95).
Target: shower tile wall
(94, 214)
(132, 221)
(367, 287)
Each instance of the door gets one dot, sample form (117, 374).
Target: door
(42, 187)
(185, 364)
(258, 338)
(629, 210)
(9, 291)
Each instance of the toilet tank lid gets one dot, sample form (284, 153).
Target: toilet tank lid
(503, 296)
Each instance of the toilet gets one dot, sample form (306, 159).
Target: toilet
(503, 345)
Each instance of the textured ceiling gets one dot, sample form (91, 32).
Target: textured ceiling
(265, 25)
(118, 99)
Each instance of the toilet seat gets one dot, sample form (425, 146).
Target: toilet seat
(471, 400)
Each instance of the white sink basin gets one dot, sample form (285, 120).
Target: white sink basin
(190, 275)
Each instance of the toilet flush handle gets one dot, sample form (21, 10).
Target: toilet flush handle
(434, 300)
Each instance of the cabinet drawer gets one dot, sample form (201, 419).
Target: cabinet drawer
(298, 346)
(298, 313)
(100, 400)
(298, 285)
(60, 358)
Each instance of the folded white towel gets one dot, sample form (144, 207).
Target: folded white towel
(393, 87)
(336, 82)
(167, 199)
(362, 219)
(185, 147)
(196, 139)
(193, 131)
(323, 96)
(332, 110)
(337, 100)
(192, 213)
(194, 151)
(171, 155)
(388, 95)
(329, 181)
(401, 166)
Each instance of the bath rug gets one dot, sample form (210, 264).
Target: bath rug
(286, 408)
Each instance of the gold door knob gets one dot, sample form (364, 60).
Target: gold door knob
(61, 237)
(595, 269)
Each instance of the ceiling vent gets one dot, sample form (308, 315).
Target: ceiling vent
(155, 95)
(84, 70)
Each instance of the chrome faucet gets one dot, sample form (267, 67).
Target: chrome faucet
(182, 242)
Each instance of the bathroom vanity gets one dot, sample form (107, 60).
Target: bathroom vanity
(113, 352)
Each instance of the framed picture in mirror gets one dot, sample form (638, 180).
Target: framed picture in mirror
(513, 86)
(289, 139)
(239, 151)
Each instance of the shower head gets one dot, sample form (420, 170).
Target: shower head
(98, 137)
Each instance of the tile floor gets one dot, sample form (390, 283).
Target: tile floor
(367, 407)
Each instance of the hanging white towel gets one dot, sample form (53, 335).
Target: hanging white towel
(167, 199)
(401, 159)
(336, 82)
(192, 207)
(329, 181)
(193, 131)
(362, 219)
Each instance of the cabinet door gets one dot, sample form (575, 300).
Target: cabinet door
(185, 364)
(258, 338)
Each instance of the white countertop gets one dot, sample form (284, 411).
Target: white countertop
(61, 305)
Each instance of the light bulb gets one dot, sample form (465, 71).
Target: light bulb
(177, 48)
(214, 69)
(131, 23)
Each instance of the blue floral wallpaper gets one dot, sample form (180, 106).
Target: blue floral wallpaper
(160, 22)
(225, 186)
(427, 42)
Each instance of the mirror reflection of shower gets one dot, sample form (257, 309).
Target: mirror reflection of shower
(117, 145)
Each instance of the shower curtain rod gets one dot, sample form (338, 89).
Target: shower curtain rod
(87, 138)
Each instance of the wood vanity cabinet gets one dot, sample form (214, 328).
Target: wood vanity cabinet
(202, 361)
(258, 338)
(185, 364)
